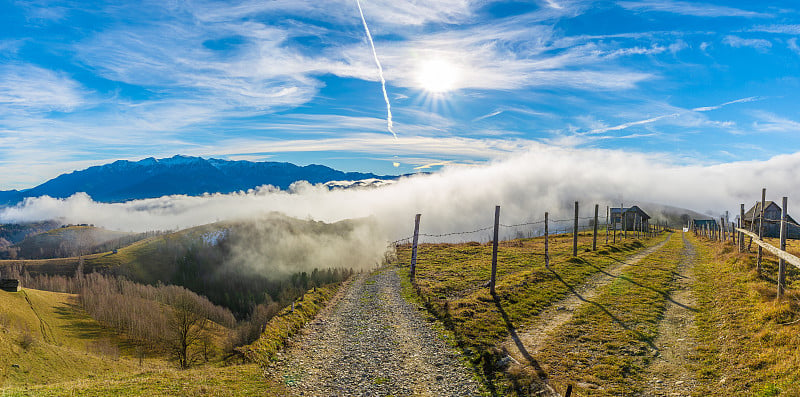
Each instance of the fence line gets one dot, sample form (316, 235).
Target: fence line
(644, 229)
(757, 236)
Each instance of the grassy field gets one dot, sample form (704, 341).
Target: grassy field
(748, 340)
(451, 281)
(46, 337)
(50, 347)
(234, 380)
(606, 346)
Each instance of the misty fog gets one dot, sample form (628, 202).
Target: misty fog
(459, 197)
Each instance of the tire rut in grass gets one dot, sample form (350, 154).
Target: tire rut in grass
(670, 373)
(372, 342)
(534, 335)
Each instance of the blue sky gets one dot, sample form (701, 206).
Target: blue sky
(86, 83)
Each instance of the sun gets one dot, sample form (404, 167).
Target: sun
(438, 76)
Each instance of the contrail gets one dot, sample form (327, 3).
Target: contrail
(380, 72)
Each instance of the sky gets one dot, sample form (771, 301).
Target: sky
(693, 84)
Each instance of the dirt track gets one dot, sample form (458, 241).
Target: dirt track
(533, 335)
(669, 374)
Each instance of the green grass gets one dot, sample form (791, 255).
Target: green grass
(609, 342)
(744, 348)
(51, 339)
(451, 277)
(50, 347)
(235, 380)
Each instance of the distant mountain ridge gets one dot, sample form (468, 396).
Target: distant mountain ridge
(125, 180)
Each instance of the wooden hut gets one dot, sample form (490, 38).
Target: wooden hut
(10, 285)
(772, 221)
(630, 218)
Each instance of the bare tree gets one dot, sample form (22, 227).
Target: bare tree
(186, 324)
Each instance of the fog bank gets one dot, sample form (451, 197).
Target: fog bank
(525, 185)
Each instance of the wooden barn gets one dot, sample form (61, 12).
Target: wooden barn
(629, 218)
(772, 221)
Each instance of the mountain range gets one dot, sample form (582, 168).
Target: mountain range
(125, 180)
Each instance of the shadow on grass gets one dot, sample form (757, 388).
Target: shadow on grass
(79, 325)
(616, 319)
(512, 331)
(688, 255)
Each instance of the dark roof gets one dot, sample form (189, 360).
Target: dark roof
(636, 209)
(756, 209)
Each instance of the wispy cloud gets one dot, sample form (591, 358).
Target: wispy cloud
(779, 29)
(674, 115)
(29, 88)
(689, 8)
(738, 42)
(769, 122)
(709, 108)
(792, 44)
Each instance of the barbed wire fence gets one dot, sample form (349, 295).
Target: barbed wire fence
(616, 227)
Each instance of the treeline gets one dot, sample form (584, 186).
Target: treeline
(175, 319)
(162, 317)
(71, 242)
(207, 268)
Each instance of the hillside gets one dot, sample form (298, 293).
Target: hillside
(234, 263)
(72, 240)
(125, 180)
(49, 346)
(46, 337)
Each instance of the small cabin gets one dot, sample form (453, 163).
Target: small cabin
(772, 221)
(10, 285)
(704, 224)
(629, 218)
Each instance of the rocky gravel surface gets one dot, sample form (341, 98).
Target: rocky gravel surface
(371, 342)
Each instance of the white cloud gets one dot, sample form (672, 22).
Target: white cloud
(381, 12)
(29, 88)
(516, 183)
(769, 122)
(738, 42)
(792, 44)
(780, 29)
(689, 8)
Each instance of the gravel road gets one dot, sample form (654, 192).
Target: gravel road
(370, 342)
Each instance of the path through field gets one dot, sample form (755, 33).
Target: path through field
(669, 374)
(532, 337)
(371, 342)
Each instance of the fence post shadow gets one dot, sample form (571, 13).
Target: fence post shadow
(614, 318)
(512, 331)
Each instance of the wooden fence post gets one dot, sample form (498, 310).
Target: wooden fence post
(614, 228)
(608, 212)
(724, 229)
(741, 226)
(414, 246)
(761, 230)
(575, 233)
(494, 248)
(781, 261)
(546, 248)
(594, 234)
(624, 219)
